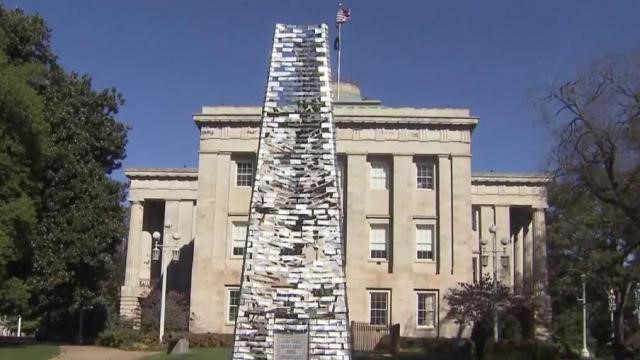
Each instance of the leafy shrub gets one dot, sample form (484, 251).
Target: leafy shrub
(524, 350)
(633, 342)
(210, 340)
(176, 312)
(120, 335)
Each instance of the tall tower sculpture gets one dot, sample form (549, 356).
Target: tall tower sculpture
(293, 292)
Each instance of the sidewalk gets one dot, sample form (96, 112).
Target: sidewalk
(71, 352)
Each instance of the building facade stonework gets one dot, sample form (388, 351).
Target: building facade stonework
(416, 220)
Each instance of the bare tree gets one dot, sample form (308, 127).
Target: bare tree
(597, 128)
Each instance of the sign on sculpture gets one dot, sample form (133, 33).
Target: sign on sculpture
(291, 346)
(293, 297)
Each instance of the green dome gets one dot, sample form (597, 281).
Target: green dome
(348, 92)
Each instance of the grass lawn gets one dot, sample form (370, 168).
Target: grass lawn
(196, 354)
(28, 352)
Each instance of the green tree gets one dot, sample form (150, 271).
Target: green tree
(475, 305)
(595, 212)
(471, 303)
(61, 218)
(23, 138)
(81, 219)
(589, 237)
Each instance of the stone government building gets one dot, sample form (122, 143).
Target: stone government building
(417, 220)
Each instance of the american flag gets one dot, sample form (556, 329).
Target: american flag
(343, 15)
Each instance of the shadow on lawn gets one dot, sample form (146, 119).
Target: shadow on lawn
(21, 342)
(13, 341)
(411, 356)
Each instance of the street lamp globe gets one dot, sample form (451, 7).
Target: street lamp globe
(485, 260)
(175, 252)
(155, 253)
(504, 260)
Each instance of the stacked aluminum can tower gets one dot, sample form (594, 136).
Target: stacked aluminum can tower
(293, 291)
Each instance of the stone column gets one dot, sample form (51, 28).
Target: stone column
(487, 218)
(129, 305)
(184, 226)
(134, 245)
(171, 226)
(518, 256)
(145, 262)
(527, 273)
(504, 229)
(542, 309)
(540, 251)
(171, 223)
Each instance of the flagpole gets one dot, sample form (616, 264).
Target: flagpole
(339, 53)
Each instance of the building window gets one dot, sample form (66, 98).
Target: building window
(379, 175)
(233, 302)
(475, 218)
(427, 305)
(424, 178)
(378, 239)
(238, 238)
(424, 242)
(379, 307)
(474, 265)
(244, 173)
(340, 171)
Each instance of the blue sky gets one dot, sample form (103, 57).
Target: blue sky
(169, 58)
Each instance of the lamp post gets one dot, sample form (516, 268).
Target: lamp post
(611, 297)
(175, 255)
(496, 328)
(585, 352)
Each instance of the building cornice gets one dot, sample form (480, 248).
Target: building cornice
(492, 178)
(477, 178)
(347, 115)
(161, 173)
